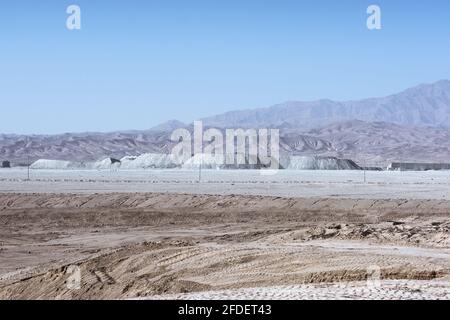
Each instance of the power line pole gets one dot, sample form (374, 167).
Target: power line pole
(200, 168)
(28, 168)
(364, 163)
(364, 171)
(27, 142)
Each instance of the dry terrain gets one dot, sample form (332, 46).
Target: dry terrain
(161, 245)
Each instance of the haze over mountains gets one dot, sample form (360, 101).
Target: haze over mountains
(413, 125)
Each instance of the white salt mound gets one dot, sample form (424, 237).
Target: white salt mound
(318, 163)
(206, 161)
(56, 164)
(107, 163)
(149, 161)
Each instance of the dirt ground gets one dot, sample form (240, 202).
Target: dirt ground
(157, 246)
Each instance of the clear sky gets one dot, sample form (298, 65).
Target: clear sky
(135, 64)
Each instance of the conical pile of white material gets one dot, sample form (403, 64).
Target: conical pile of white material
(206, 161)
(319, 163)
(56, 164)
(149, 161)
(107, 163)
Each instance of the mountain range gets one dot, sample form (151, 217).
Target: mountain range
(424, 105)
(413, 125)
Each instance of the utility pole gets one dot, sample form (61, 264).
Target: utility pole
(364, 174)
(28, 168)
(27, 142)
(364, 163)
(200, 168)
(364, 170)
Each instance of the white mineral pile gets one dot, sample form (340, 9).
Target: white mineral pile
(56, 164)
(149, 161)
(206, 161)
(318, 163)
(108, 163)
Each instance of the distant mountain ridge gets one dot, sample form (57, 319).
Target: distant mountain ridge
(423, 105)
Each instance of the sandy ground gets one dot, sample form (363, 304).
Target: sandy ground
(160, 245)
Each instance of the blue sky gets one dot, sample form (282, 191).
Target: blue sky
(135, 64)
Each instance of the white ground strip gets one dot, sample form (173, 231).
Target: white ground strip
(284, 183)
(384, 290)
